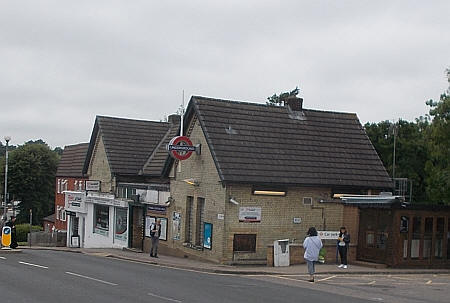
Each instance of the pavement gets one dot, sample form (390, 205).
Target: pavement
(360, 268)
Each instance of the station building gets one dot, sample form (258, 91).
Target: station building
(267, 173)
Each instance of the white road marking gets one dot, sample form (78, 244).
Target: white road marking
(429, 282)
(372, 283)
(31, 264)
(328, 278)
(3, 258)
(164, 298)
(90, 278)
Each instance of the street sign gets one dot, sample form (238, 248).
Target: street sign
(181, 148)
(6, 236)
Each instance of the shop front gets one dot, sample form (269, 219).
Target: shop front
(75, 206)
(106, 222)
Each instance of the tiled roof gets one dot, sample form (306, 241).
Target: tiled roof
(158, 159)
(72, 160)
(128, 143)
(270, 145)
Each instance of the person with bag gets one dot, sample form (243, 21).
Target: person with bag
(312, 246)
(155, 233)
(343, 244)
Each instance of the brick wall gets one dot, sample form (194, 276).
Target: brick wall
(99, 167)
(60, 199)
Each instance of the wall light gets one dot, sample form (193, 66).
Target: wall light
(232, 200)
(191, 181)
(269, 193)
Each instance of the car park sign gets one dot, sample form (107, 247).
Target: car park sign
(6, 236)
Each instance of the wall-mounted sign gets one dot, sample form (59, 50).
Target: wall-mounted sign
(106, 200)
(181, 148)
(75, 201)
(92, 185)
(249, 214)
(328, 235)
(156, 209)
(220, 216)
(207, 235)
(297, 220)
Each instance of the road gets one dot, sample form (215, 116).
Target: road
(50, 276)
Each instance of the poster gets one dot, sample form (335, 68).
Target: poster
(249, 214)
(150, 220)
(176, 226)
(207, 235)
(121, 224)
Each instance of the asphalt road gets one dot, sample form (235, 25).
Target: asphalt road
(50, 276)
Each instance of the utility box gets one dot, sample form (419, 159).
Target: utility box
(281, 252)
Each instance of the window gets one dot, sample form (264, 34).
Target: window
(370, 239)
(307, 201)
(58, 186)
(244, 242)
(415, 241)
(101, 219)
(427, 237)
(120, 231)
(200, 215)
(439, 238)
(189, 218)
(63, 216)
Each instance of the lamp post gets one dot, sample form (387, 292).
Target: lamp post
(7, 139)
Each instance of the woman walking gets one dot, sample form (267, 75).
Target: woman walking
(312, 246)
(343, 244)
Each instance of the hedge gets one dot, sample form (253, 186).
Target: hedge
(22, 231)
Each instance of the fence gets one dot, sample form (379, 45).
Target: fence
(48, 239)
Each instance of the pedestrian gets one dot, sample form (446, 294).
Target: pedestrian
(155, 233)
(343, 244)
(312, 246)
(12, 223)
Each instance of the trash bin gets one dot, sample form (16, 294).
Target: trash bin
(281, 252)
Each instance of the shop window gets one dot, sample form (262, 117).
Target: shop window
(189, 219)
(415, 242)
(438, 250)
(200, 216)
(370, 239)
(101, 219)
(244, 243)
(428, 236)
(307, 201)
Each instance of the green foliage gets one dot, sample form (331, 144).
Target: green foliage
(438, 164)
(411, 150)
(31, 179)
(22, 231)
(278, 100)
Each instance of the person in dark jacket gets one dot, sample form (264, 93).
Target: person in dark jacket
(12, 223)
(343, 244)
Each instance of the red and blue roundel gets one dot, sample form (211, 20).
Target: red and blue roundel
(180, 148)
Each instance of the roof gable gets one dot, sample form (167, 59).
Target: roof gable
(72, 160)
(261, 144)
(128, 142)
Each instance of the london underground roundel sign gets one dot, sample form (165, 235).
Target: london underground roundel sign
(181, 148)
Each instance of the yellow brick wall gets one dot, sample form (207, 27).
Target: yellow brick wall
(99, 166)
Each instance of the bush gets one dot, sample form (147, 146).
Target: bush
(22, 231)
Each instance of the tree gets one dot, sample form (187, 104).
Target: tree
(278, 100)
(31, 180)
(438, 166)
(411, 151)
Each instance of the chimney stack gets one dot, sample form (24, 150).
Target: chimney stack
(294, 103)
(174, 119)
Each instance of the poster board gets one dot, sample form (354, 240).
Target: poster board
(149, 220)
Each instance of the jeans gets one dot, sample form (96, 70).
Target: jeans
(343, 254)
(155, 244)
(311, 268)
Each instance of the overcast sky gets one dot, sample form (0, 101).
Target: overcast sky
(64, 62)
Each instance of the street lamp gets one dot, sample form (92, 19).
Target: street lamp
(7, 139)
